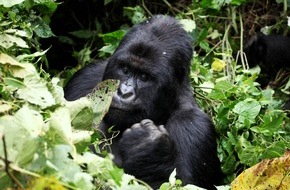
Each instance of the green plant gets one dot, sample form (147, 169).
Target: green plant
(44, 139)
(250, 122)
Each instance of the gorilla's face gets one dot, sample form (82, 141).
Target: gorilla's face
(139, 81)
(135, 90)
(145, 81)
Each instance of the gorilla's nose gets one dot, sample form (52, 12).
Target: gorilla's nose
(126, 92)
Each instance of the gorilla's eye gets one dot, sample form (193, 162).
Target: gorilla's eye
(144, 77)
(125, 70)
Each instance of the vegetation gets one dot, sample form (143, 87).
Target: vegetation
(44, 138)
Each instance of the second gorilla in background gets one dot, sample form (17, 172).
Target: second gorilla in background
(152, 63)
(271, 53)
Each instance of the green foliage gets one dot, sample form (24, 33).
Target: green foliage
(112, 41)
(52, 134)
(44, 138)
(249, 121)
(218, 4)
(23, 22)
(136, 14)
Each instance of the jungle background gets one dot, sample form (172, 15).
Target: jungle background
(44, 139)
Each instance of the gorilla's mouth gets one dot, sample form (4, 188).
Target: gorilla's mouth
(120, 106)
(116, 108)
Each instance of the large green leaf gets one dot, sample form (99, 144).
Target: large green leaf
(36, 92)
(101, 98)
(21, 132)
(10, 3)
(247, 110)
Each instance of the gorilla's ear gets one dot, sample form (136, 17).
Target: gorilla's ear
(256, 41)
(252, 41)
(181, 66)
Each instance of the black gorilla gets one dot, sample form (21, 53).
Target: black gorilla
(152, 63)
(271, 53)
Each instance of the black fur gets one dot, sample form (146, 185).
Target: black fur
(271, 53)
(152, 63)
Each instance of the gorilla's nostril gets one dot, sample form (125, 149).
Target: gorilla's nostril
(147, 122)
(127, 95)
(126, 92)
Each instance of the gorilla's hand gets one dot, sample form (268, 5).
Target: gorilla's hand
(143, 139)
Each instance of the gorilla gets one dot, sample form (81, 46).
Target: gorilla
(161, 126)
(271, 53)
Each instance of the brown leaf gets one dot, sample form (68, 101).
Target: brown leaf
(268, 174)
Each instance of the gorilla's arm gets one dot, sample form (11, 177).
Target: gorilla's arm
(146, 151)
(194, 138)
(187, 144)
(85, 80)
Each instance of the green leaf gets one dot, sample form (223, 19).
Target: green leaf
(210, 4)
(206, 86)
(21, 127)
(204, 45)
(16, 32)
(85, 34)
(218, 65)
(192, 187)
(107, 2)
(287, 87)
(7, 41)
(222, 90)
(188, 25)
(113, 36)
(230, 164)
(248, 154)
(247, 110)
(165, 186)
(20, 70)
(84, 181)
(83, 56)
(65, 167)
(101, 98)
(172, 177)
(136, 14)
(14, 83)
(36, 92)
(273, 123)
(81, 113)
(66, 40)
(84, 119)
(4, 107)
(81, 139)
(50, 5)
(60, 122)
(111, 40)
(108, 49)
(223, 187)
(274, 150)
(33, 55)
(56, 90)
(10, 3)
(103, 168)
(41, 28)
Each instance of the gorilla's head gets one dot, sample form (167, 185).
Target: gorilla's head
(152, 63)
